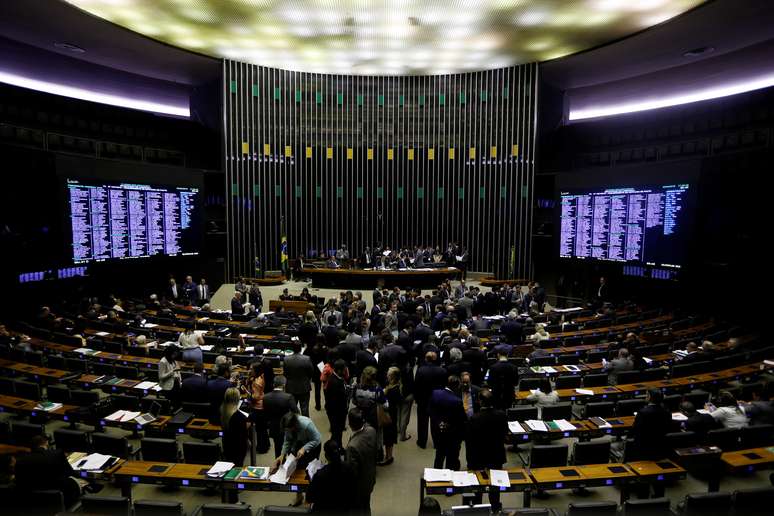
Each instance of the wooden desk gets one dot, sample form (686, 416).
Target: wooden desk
(602, 392)
(297, 483)
(657, 470)
(25, 406)
(519, 477)
(594, 475)
(299, 307)
(34, 371)
(134, 426)
(5, 449)
(353, 278)
(582, 427)
(140, 472)
(749, 460)
(203, 429)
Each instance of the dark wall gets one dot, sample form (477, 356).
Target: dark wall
(404, 161)
(729, 142)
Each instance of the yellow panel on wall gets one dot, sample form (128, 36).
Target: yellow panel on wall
(350, 153)
(266, 149)
(515, 151)
(288, 151)
(245, 148)
(493, 152)
(451, 152)
(411, 154)
(308, 152)
(389, 154)
(370, 154)
(472, 153)
(329, 153)
(430, 153)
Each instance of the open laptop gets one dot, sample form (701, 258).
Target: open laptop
(150, 416)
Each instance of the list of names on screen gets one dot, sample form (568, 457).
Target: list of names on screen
(129, 220)
(642, 224)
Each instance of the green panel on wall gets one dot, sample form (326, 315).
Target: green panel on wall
(234, 189)
(277, 191)
(232, 86)
(318, 97)
(359, 192)
(401, 99)
(255, 90)
(400, 192)
(298, 191)
(380, 100)
(523, 193)
(420, 192)
(380, 192)
(339, 192)
(359, 99)
(460, 193)
(277, 93)
(481, 192)
(421, 100)
(441, 99)
(505, 92)
(298, 95)
(462, 97)
(339, 98)
(503, 192)
(318, 191)
(484, 96)
(441, 192)
(257, 190)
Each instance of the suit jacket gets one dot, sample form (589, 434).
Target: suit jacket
(336, 396)
(694, 357)
(171, 295)
(700, 424)
(275, 405)
(503, 378)
(512, 331)
(299, 371)
(363, 359)
(42, 469)
(361, 457)
(189, 291)
(194, 389)
(650, 426)
(447, 415)
(428, 379)
(202, 293)
(236, 307)
(216, 389)
(485, 439)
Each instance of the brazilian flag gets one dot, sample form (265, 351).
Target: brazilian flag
(283, 251)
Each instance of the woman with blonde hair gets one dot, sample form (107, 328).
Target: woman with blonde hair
(234, 424)
(368, 396)
(394, 399)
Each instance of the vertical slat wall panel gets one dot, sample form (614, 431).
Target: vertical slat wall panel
(362, 197)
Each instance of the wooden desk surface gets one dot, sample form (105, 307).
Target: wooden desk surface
(202, 425)
(517, 477)
(616, 328)
(190, 472)
(143, 468)
(602, 471)
(439, 271)
(298, 478)
(655, 468)
(37, 371)
(551, 475)
(23, 405)
(750, 457)
(10, 448)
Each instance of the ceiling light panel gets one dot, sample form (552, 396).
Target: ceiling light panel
(266, 32)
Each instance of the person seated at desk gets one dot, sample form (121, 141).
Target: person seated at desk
(331, 490)
(302, 439)
(332, 263)
(540, 334)
(693, 354)
(617, 365)
(544, 395)
(727, 411)
(285, 296)
(760, 410)
(697, 422)
(537, 351)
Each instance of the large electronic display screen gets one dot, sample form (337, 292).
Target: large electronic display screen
(130, 221)
(647, 225)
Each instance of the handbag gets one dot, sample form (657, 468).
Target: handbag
(382, 416)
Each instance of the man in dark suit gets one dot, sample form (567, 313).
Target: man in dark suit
(361, 457)
(469, 393)
(44, 469)
(422, 332)
(299, 370)
(447, 424)
(216, 388)
(485, 441)
(202, 292)
(173, 292)
(194, 388)
(503, 378)
(365, 357)
(603, 292)
(189, 291)
(429, 377)
(276, 404)
(694, 354)
(512, 329)
(651, 424)
(391, 355)
(236, 304)
(336, 400)
(697, 422)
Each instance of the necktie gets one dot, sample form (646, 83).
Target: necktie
(467, 403)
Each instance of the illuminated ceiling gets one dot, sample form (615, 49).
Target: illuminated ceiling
(387, 37)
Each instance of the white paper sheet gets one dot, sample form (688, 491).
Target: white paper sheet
(464, 479)
(679, 416)
(586, 392)
(437, 475)
(122, 415)
(207, 347)
(564, 425)
(499, 478)
(321, 365)
(145, 385)
(282, 475)
(103, 333)
(536, 425)
(313, 467)
(93, 462)
(515, 427)
(219, 469)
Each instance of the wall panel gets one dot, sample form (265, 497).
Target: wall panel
(361, 160)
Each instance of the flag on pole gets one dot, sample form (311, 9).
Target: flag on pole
(283, 248)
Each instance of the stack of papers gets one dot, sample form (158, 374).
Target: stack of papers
(499, 478)
(564, 425)
(679, 416)
(573, 368)
(220, 469)
(149, 325)
(86, 351)
(515, 427)
(122, 415)
(168, 343)
(145, 385)
(282, 475)
(437, 475)
(464, 479)
(313, 467)
(102, 333)
(207, 347)
(48, 406)
(92, 462)
(255, 473)
(536, 425)
(585, 392)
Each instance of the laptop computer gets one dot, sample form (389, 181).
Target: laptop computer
(150, 416)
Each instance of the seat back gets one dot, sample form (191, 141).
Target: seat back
(126, 402)
(591, 452)
(568, 381)
(522, 413)
(6, 386)
(83, 398)
(58, 393)
(548, 455)
(627, 377)
(201, 453)
(279, 510)
(629, 407)
(708, 504)
(603, 508)
(76, 365)
(111, 445)
(102, 368)
(22, 433)
(46, 501)
(595, 380)
(27, 390)
(528, 384)
(128, 372)
(727, 439)
(199, 410)
(158, 450)
(221, 509)
(647, 507)
(557, 411)
(157, 508)
(756, 436)
(599, 409)
(547, 360)
(71, 440)
(755, 502)
(675, 440)
(105, 505)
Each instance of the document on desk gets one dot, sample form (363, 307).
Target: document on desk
(92, 462)
(585, 392)
(145, 385)
(282, 475)
(499, 478)
(122, 416)
(464, 479)
(207, 347)
(549, 369)
(572, 368)
(102, 333)
(219, 469)
(313, 467)
(679, 416)
(564, 425)
(536, 425)
(48, 406)
(437, 475)
(515, 427)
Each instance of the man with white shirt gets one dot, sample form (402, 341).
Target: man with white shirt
(202, 292)
(173, 293)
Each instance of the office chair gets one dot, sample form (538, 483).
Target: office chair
(757, 435)
(557, 411)
(6, 386)
(548, 360)
(727, 439)
(568, 381)
(707, 504)
(568, 359)
(76, 365)
(698, 398)
(629, 407)
(83, 398)
(158, 450)
(58, 393)
(627, 377)
(22, 433)
(754, 502)
(147, 401)
(71, 440)
(157, 508)
(128, 372)
(595, 380)
(221, 509)
(647, 507)
(47, 501)
(27, 390)
(55, 362)
(591, 452)
(102, 368)
(601, 409)
(528, 384)
(522, 413)
(106, 505)
(548, 455)
(603, 508)
(125, 402)
(201, 453)
(199, 410)
(675, 440)
(111, 445)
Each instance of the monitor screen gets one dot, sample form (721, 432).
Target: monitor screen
(646, 225)
(130, 221)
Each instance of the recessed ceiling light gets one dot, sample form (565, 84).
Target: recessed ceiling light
(696, 52)
(70, 47)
